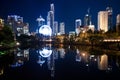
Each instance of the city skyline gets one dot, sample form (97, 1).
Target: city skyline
(64, 12)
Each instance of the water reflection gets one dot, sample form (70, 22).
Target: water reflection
(20, 56)
(62, 61)
(103, 62)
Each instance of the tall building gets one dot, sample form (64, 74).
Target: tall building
(103, 21)
(110, 12)
(52, 7)
(56, 27)
(118, 24)
(62, 28)
(78, 23)
(26, 29)
(87, 19)
(16, 23)
(50, 18)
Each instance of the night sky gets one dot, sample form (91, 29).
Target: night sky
(65, 10)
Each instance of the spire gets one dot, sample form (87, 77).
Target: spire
(88, 11)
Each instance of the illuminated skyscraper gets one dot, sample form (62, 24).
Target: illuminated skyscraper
(50, 18)
(78, 23)
(16, 23)
(52, 7)
(87, 19)
(77, 26)
(118, 24)
(103, 21)
(110, 11)
(56, 27)
(62, 28)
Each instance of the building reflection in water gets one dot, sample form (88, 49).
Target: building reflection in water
(92, 61)
(49, 55)
(19, 57)
(103, 62)
(1, 70)
(61, 52)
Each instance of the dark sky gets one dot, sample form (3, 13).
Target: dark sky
(65, 10)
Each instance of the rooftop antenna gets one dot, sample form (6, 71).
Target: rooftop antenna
(88, 11)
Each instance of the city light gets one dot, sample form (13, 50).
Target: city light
(45, 30)
(45, 52)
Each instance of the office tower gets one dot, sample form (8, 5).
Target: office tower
(118, 24)
(77, 26)
(103, 21)
(62, 28)
(110, 11)
(56, 27)
(50, 18)
(87, 19)
(78, 23)
(16, 23)
(26, 29)
(52, 7)
(1, 23)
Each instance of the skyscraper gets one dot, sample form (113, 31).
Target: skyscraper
(50, 18)
(77, 26)
(103, 21)
(16, 23)
(110, 11)
(118, 24)
(56, 27)
(87, 18)
(78, 23)
(62, 28)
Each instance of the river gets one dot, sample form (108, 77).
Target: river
(48, 62)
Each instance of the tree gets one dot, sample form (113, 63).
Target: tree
(6, 35)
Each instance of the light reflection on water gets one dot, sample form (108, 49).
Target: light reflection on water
(54, 62)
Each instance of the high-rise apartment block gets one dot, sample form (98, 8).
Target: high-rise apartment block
(103, 21)
(62, 28)
(56, 27)
(50, 18)
(78, 23)
(17, 24)
(110, 12)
